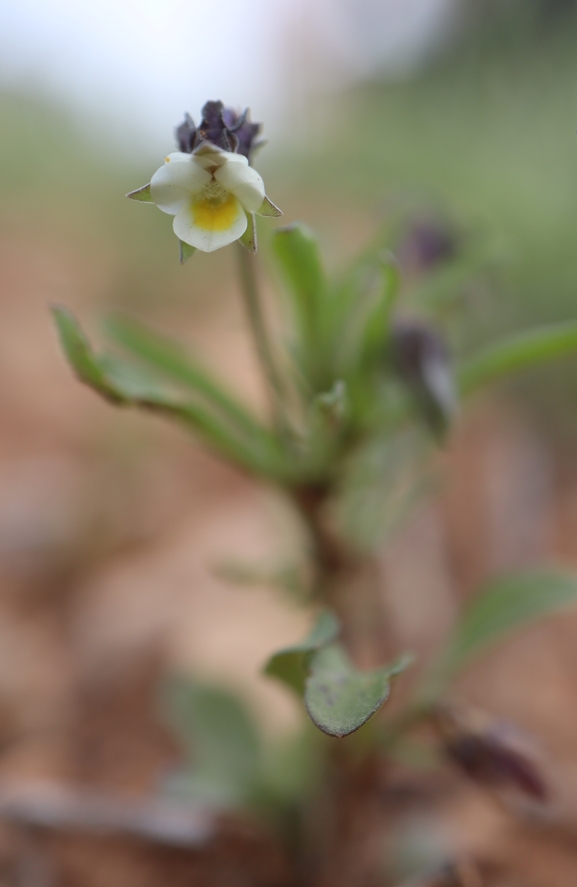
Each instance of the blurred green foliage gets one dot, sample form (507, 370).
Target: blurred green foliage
(485, 135)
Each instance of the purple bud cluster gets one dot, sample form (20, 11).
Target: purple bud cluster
(223, 127)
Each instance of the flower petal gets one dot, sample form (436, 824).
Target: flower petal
(210, 156)
(244, 182)
(176, 181)
(209, 226)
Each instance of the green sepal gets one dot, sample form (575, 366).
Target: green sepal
(142, 194)
(268, 208)
(186, 251)
(339, 698)
(248, 239)
(291, 665)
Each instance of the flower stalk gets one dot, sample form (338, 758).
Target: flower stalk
(256, 320)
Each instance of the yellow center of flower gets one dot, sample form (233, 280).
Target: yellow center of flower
(214, 209)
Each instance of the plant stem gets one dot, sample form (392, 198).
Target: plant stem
(256, 320)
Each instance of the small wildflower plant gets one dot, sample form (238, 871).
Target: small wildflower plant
(362, 389)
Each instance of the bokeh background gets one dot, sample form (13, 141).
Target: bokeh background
(116, 533)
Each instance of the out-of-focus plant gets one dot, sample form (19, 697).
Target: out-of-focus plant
(362, 390)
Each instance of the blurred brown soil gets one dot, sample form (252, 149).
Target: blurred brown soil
(111, 526)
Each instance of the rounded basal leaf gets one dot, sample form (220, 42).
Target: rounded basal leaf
(340, 698)
(219, 739)
(291, 665)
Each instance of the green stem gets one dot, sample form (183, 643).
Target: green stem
(255, 316)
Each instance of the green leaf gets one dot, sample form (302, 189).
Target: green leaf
(377, 323)
(126, 385)
(81, 357)
(186, 251)
(519, 352)
(297, 253)
(169, 358)
(355, 323)
(171, 361)
(501, 607)
(219, 739)
(298, 258)
(142, 194)
(339, 698)
(291, 665)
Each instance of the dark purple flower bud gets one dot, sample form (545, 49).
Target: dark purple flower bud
(213, 128)
(222, 127)
(421, 359)
(426, 245)
(245, 131)
(186, 135)
(491, 753)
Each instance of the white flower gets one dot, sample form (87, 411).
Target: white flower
(210, 193)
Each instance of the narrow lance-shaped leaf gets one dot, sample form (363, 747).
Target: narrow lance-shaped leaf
(80, 355)
(169, 358)
(298, 258)
(339, 698)
(123, 384)
(376, 325)
(503, 606)
(519, 352)
(291, 665)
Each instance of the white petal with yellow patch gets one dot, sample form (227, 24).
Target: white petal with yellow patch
(209, 192)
